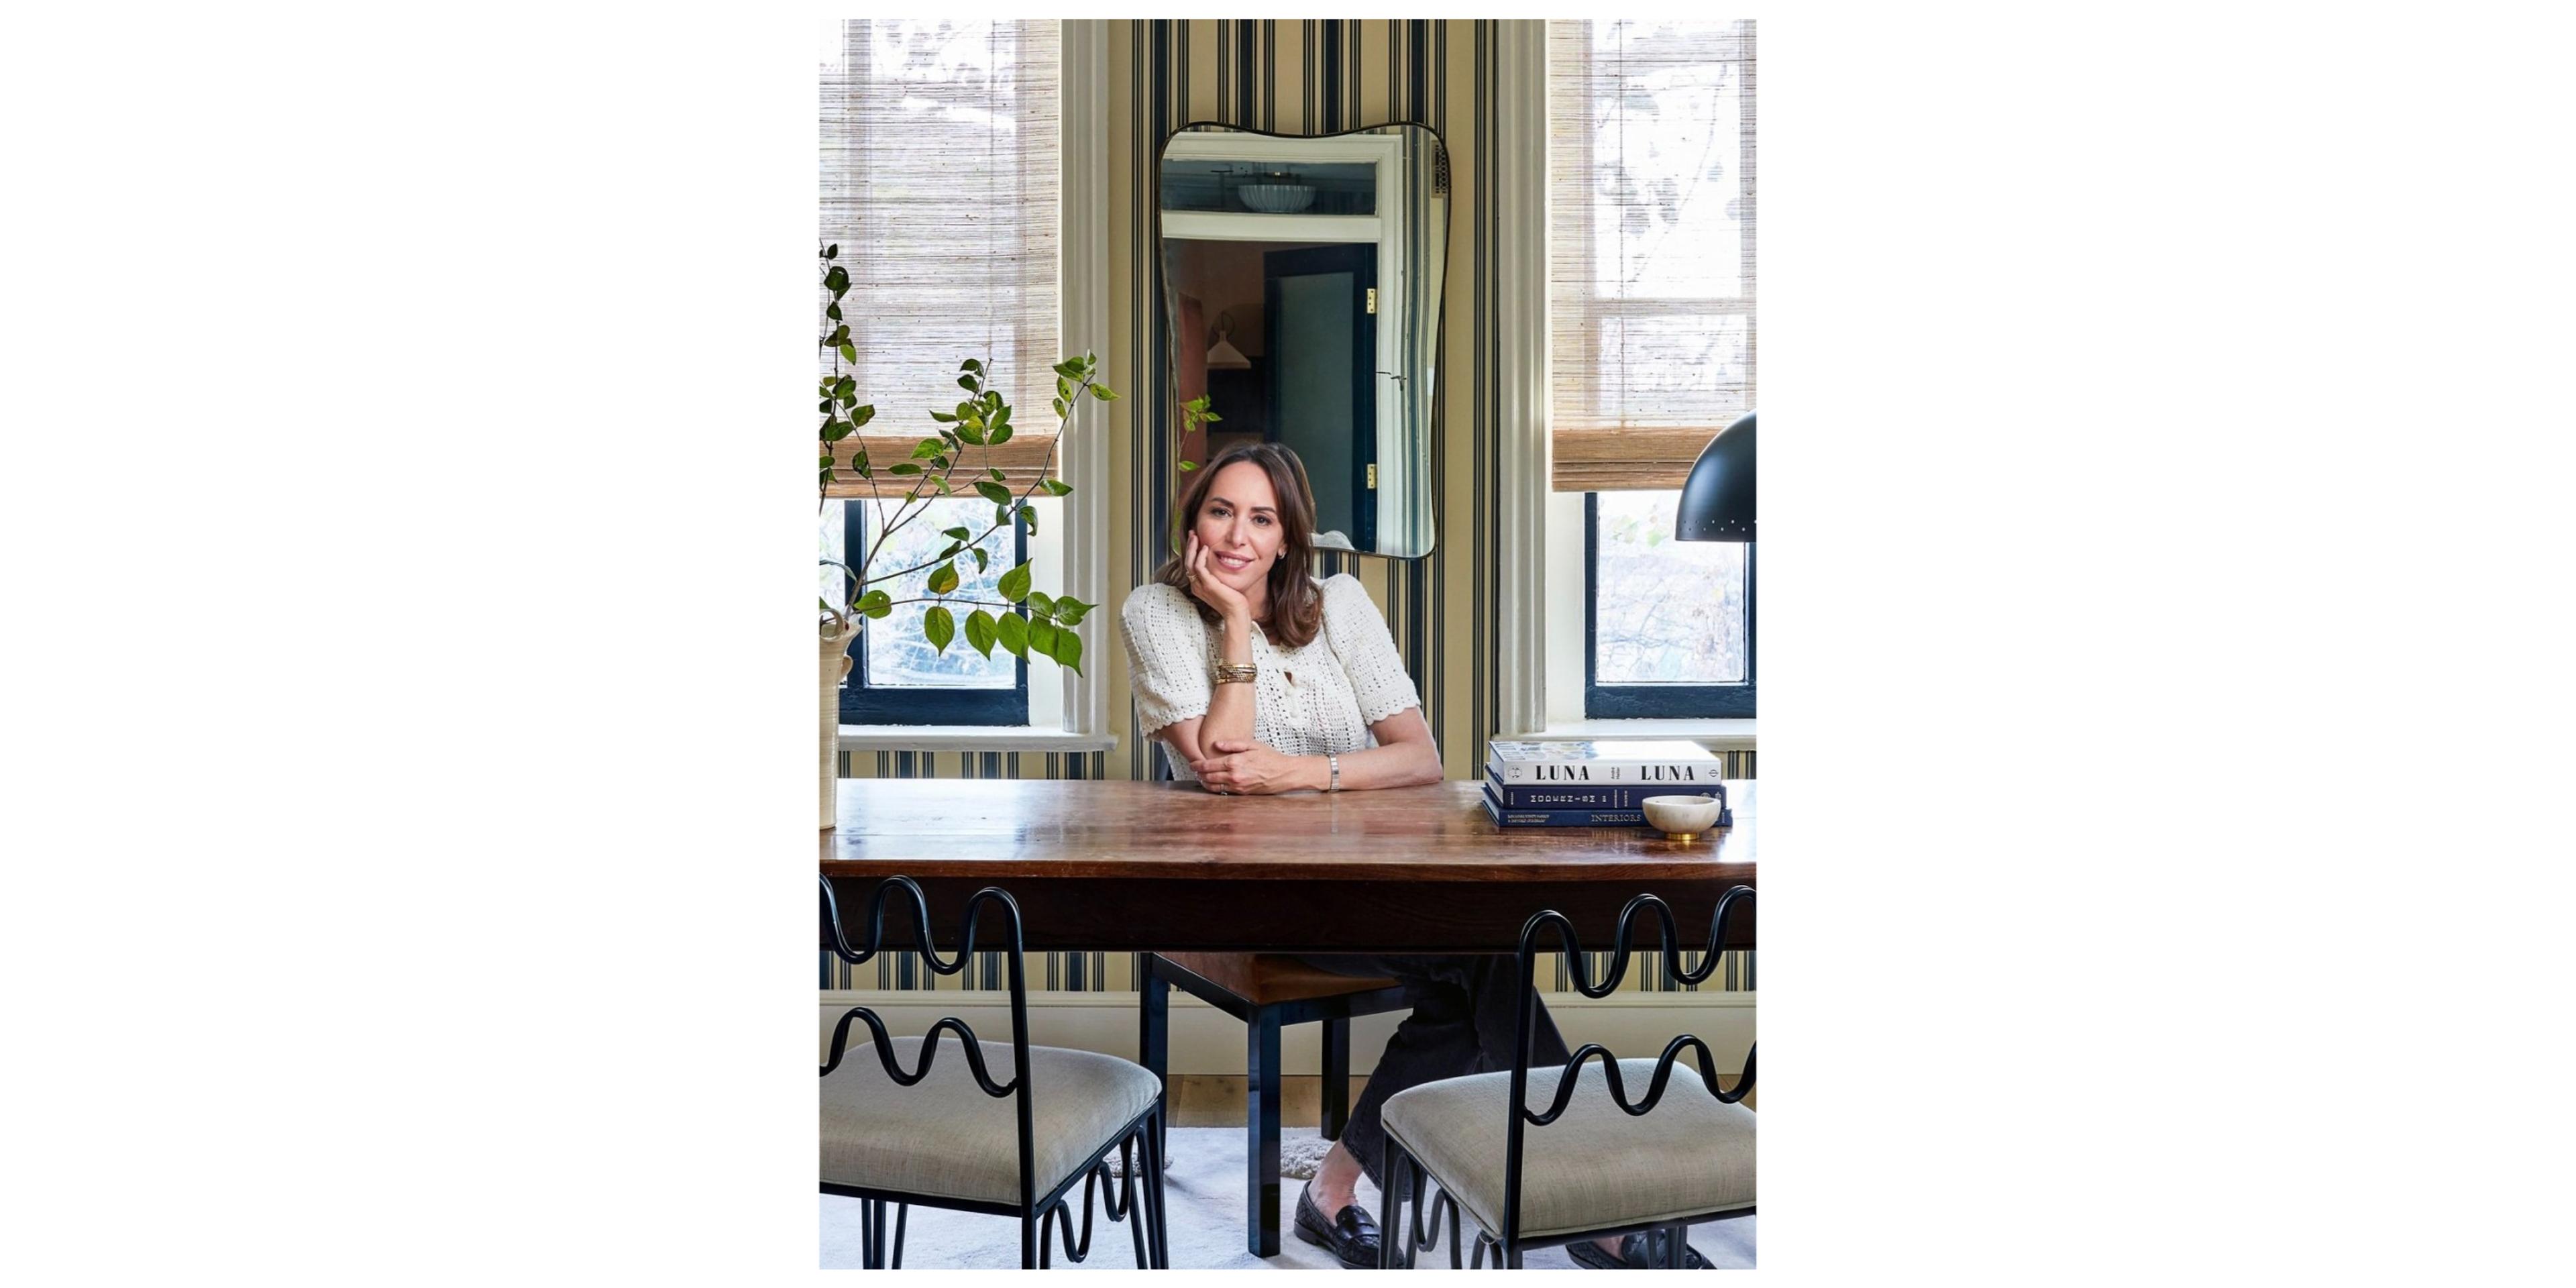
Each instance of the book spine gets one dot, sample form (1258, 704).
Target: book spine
(1570, 817)
(1563, 817)
(1547, 797)
(1655, 775)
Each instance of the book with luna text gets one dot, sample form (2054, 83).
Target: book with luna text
(1611, 762)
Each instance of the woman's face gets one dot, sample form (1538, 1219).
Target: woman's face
(1239, 526)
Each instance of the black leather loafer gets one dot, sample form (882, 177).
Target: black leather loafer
(1351, 1235)
(1636, 1252)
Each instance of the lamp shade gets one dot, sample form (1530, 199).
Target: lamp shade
(1717, 499)
(1222, 355)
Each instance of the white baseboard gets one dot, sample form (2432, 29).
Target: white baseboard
(1206, 1040)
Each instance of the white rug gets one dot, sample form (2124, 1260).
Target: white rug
(1204, 1193)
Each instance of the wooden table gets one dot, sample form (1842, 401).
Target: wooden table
(1129, 866)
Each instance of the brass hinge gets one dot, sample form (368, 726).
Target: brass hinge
(1372, 300)
(1372, 476)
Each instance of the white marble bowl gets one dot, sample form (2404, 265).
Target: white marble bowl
(1681, 818)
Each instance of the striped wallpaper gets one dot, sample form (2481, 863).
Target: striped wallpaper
(1315, 76)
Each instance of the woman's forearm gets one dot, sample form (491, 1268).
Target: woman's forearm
(1231, 707)
(1403, 764)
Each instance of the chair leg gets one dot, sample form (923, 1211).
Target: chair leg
(1450, 1201)
(1417, 1195)
(1390, 1206)
(1160, 1241)
(1337, 1077)
(872, 1234)
(1676, 1247)
(1029, 1242)
(1154, 1030)
(1129, 1159)
(1261, 1132)
(901, 1211)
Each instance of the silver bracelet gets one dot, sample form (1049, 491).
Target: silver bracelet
(1334, 763)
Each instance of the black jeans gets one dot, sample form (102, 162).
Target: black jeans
(1463, 1011)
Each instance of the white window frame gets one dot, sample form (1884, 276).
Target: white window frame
(1542, 573)
(1068, 712)
(1527, 611)
(1082, 292)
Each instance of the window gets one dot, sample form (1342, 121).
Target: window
(1667, 625)
(896, 676)
(1651, 345)
(1651, 246)
(939, 178)
(939, 183)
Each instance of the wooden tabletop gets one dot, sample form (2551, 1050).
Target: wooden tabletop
(993, 828)
(1115, 865)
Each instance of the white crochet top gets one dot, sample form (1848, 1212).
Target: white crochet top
(1309, 701)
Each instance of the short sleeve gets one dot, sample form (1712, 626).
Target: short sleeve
(1367, 651)
(1166, 656)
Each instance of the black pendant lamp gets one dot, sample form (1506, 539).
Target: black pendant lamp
(1717, 499)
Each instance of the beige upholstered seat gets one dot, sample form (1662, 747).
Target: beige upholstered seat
(943, 1136)
(1594, 1167)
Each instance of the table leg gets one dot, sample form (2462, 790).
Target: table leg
(1337, 1078)
(1261, 1132)
(1154, 1032)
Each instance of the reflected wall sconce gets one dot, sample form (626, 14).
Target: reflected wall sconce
(1222, 355)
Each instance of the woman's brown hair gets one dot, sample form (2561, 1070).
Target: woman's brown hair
(1296, 603)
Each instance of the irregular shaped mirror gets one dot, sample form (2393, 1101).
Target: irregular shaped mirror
(1302, 281)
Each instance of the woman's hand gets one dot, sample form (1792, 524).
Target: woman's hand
(1250, 769)
(1225, 599)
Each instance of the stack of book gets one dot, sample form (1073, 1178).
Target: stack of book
(1591, 784)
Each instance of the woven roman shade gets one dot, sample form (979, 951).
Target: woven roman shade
(939, 185)
(1650, 246)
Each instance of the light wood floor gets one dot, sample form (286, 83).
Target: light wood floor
(1217, 1099)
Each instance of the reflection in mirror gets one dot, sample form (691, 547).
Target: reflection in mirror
(1302, 282)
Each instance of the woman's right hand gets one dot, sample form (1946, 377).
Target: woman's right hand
(1225, 599)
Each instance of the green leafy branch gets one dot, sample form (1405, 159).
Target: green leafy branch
(981, 421)
(1195, 415)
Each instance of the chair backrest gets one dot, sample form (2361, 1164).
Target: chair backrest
(1525, 1021)
(910, 894)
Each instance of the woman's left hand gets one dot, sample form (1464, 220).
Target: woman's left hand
(1247, 769)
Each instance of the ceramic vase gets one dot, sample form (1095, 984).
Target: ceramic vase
(836, 664)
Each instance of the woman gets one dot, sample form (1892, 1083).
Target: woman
(1260, 680)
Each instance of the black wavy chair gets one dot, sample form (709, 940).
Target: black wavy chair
(953, 1138)
(1603, 1168)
